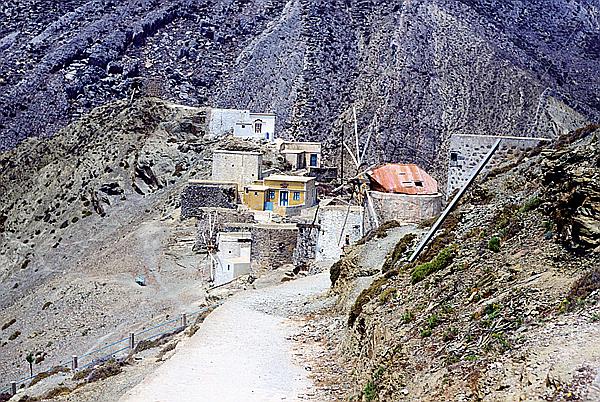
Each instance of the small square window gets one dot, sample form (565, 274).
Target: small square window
(419, 183)
(296, 195)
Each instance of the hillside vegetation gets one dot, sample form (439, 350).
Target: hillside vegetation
(504, 302)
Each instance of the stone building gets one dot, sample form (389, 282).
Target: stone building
(241, 123)
(242, 167)
(301, 155)
(232, 258)
(340, 224)
(284, 195)
(466, 151)
(402, 192)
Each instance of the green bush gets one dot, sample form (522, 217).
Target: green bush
(494, 244)
(441, 261)
(370, 392)
(530, 205)
(407, 316)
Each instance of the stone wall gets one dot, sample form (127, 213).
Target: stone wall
(405, 208)
(306, 245)
(196, 196)
(273, 245)
(337, 222)
(466, 151)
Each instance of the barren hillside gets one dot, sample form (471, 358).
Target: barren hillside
(416, 70)
(502, 306)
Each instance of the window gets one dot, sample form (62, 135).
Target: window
(296, 195)
(258, 127)
(313, 160)
(271, 195)
(283, 198)
(453, 156)
(419, 183)
(256, 193)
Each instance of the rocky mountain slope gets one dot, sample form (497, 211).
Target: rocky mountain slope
(85, 212)
(416, 70)
(503, 305)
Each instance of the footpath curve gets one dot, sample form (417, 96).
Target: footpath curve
(242, 351)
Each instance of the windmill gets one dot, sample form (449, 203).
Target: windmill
(361, 189)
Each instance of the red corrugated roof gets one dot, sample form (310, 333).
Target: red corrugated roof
(402, 178)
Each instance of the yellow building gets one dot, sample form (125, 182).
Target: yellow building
(284, 195)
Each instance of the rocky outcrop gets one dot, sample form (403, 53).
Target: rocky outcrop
(572, 182)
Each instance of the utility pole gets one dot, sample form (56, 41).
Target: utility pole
(342, 157)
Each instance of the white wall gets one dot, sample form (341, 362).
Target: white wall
(222, 121)
(241, 123)
(233, 256)
(239, 167)
(332, 220)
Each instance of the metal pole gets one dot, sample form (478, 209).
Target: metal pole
(13, 387)
(74, 362)
(132, 341)
(454, 201)
(184, 320)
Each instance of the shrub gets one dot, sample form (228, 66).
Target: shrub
(369, 392)
(582, 288)
(407, 316)
(494, 244)
(55, 370)
(432, 321)
(530, 205)
(399, 250)
(364, 297)
(387, 295)
(108, 369)
(425, 332)
(441, 261)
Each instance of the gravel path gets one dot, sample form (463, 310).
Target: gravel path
(242, 352)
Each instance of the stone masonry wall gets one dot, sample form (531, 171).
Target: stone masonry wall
(335, 225)
(273, 246)
(469, 150)
(306, 245)
(195, 197)
(224, 218)
(405, 208)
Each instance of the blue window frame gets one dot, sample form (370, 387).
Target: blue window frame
(296, 195)
(271, 195)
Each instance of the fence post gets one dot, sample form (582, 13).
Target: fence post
(13, 387)
(184, 320)
(74, 363)
(132, 341)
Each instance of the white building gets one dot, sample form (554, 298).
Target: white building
(240, 167)
(232, 257)
(241, 123)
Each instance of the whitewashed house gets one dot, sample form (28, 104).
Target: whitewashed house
(241, 123)
(232, 257)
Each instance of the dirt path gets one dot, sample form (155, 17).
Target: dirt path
(242, 352)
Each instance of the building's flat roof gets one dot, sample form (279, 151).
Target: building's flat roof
(263, 114)
(504, 137)
(257, 187)
(212, 182)
(281, 177)
(302, 142)
(293, 151)
(226, 151)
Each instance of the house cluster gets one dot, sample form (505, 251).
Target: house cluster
(253, 216)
